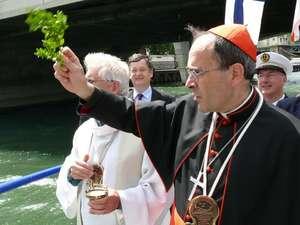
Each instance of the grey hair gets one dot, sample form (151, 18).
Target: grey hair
(227, 53)
(110, 67)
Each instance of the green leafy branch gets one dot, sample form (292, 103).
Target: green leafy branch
(53, 26)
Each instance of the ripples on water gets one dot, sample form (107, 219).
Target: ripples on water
(32, 139)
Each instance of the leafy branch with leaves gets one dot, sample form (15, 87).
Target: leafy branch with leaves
(53, 26)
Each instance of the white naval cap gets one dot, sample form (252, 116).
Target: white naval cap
(273, 60)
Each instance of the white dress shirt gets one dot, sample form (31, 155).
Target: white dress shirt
(147, 94)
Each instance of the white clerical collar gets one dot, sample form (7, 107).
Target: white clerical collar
(282, 97)
(240, 106)
(146, 94)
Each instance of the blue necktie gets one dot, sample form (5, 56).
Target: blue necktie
(140, 96)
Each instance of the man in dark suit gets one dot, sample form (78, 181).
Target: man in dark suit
(141, 73)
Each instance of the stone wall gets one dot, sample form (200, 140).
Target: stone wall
(23, 95)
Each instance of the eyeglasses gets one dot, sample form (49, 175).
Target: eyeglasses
(269, 75)
(196, 72)
(98, 80)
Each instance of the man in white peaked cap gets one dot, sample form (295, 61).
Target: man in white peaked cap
(272, 70)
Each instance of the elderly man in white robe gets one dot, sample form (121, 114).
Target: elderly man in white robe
(136, 194)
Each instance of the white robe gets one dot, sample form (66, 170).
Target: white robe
(127, 169)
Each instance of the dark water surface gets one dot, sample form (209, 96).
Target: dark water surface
(32, 139)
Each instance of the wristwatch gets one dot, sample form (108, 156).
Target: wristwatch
(72, 180)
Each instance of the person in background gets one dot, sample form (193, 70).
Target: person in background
(232, 158)
(272, 70)
(141, 73)
(135, 191)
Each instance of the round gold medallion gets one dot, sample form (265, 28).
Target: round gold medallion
(204, 210)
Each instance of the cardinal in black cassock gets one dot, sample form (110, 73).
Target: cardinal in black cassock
(249, 156)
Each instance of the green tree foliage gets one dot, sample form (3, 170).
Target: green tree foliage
(53, 26)
(161, 49)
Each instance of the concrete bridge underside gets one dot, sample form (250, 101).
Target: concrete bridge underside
(116, 26)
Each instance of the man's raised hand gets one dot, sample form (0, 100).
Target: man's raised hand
(71, 74)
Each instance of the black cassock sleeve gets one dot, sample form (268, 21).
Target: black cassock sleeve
(151, 121)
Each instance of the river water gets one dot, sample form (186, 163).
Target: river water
(32, 139)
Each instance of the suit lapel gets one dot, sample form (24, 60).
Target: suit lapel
(155, 95)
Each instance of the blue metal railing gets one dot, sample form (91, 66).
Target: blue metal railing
(14, 183)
